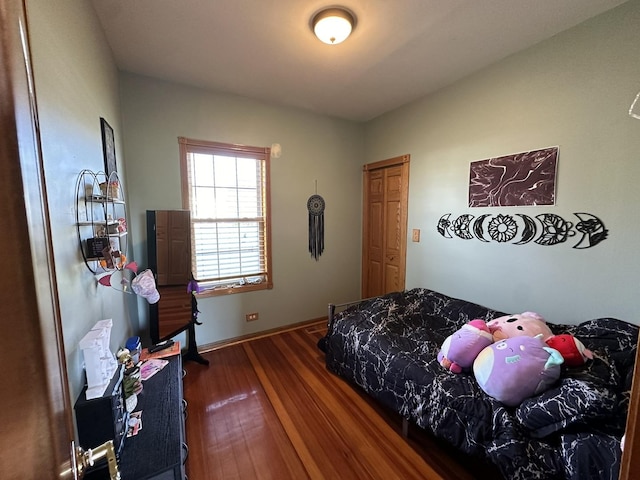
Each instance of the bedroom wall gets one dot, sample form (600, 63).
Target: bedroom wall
(574, 91)
(76, 83)
(314, 148)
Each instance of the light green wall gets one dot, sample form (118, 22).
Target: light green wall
(314, 148)
(574, 91)
(76, 83)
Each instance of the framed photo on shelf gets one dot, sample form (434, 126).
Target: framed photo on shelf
(108, 147)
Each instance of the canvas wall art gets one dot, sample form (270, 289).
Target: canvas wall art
(108, 147)
(520, 179)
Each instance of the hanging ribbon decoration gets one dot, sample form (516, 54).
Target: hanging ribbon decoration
(315, 206)
(193, 288)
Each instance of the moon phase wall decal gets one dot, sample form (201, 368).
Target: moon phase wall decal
(443, 226)
(545, 229)
(502, 228)
(529, 229)
(555, 229)
(461, 226)
(478, 229)
(592, 230)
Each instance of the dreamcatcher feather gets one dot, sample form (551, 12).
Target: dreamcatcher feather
(315, 206)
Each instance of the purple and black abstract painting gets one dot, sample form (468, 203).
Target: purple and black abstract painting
(521, 179)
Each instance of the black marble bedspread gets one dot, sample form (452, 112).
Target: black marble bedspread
(388, 346)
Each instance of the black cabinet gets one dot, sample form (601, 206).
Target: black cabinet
(169, 258)
(103, 418)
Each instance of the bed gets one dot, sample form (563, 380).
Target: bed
(388, 347)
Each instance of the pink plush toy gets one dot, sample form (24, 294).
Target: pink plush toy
(461, 348)
(573, 351)
(529, 324)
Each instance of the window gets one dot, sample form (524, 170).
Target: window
(226, 189)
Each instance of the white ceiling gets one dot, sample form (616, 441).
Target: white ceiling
(400, 50)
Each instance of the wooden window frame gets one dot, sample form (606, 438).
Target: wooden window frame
(187, 146)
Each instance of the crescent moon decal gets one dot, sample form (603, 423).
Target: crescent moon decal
(529, 230)
(443, 226)
(592, 230)
(461, 226)
(555, 229)
(478, 229)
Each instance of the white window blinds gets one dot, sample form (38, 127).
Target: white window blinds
(227, 194)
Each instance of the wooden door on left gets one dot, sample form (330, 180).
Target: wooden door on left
(37, 438)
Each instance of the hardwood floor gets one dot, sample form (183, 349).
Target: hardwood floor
(268, 409)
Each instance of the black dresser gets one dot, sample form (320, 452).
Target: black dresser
(103, 418)
(159, 450)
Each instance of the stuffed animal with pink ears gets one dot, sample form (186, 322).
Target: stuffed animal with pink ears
(528, 324)
(461, 348)
(573, 351)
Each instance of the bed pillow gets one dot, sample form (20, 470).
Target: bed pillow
(572, 402)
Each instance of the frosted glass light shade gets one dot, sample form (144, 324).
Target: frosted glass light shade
(333, 25)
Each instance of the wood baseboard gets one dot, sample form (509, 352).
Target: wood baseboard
(210, 347)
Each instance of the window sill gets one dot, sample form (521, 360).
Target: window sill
(215, 292)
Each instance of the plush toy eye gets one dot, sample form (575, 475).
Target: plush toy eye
(501, 346)
(512, 319)
(519, 327)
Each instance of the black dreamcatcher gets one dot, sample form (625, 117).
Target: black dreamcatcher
(315, 206)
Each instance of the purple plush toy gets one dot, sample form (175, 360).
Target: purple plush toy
(460, 349)
(517, 368)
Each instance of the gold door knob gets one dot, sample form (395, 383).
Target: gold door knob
(87, 458)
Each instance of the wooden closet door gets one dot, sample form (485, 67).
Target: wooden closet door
(386, 189)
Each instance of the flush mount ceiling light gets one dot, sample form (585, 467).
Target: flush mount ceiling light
(333, 25)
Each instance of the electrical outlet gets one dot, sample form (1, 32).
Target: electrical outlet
(251, 316)
(416, 235)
